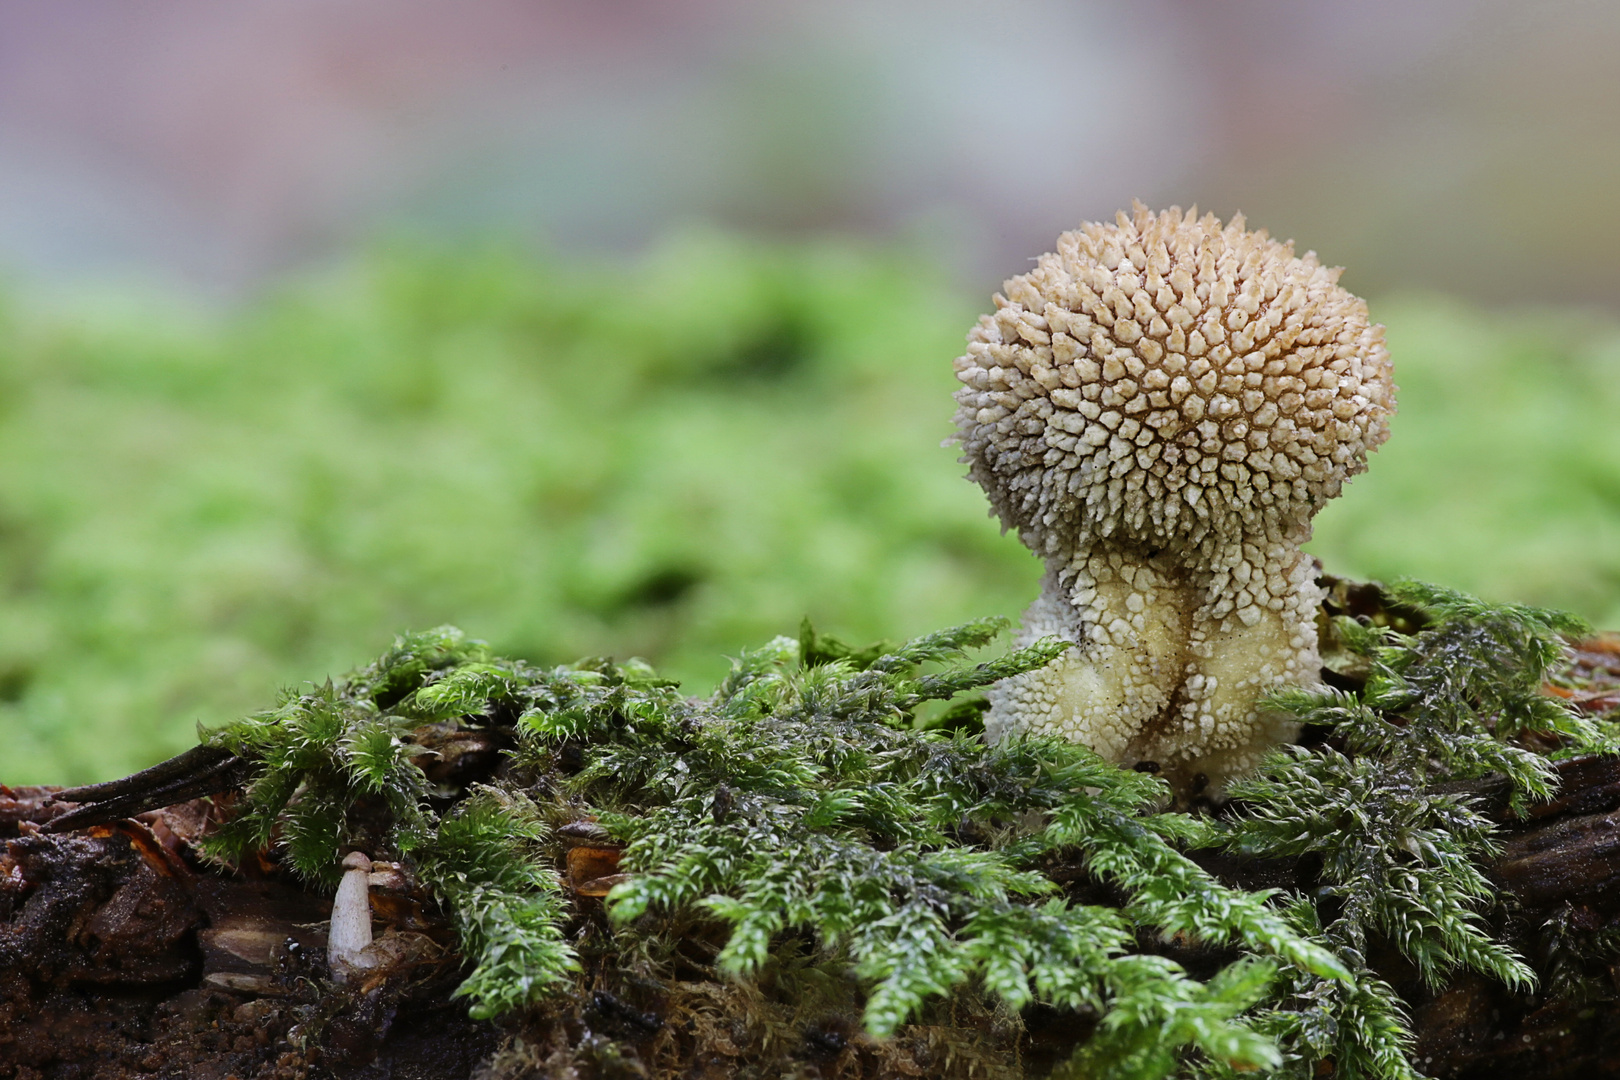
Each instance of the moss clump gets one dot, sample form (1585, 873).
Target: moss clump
(801, 849)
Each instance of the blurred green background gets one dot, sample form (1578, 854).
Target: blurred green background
(674, 455)
(698, 389)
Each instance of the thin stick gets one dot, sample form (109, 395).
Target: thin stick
(202, 770)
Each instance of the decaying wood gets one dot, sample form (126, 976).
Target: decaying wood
(121, 955)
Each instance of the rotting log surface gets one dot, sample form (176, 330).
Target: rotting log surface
(122, 955)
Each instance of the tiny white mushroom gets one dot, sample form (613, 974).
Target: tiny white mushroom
(350, 931)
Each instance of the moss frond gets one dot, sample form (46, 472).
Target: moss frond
(481, 861)
(1401, 849)
(821, 835)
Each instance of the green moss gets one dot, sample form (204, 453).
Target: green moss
(805, 825)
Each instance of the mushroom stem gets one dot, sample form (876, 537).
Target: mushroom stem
(350, 932)
(1163, 663)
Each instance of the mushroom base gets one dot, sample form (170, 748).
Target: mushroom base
(1172, 661)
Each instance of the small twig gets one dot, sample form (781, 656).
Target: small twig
(202, 770)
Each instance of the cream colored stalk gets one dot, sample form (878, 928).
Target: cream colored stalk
(350, 931)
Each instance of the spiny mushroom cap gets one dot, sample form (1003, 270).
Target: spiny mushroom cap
(1166, 380)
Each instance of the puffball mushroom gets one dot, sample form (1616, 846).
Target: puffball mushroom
(1159, 407)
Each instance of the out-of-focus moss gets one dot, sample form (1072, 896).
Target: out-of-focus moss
(670, 457)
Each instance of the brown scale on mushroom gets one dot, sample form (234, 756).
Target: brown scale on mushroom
(1159, 408)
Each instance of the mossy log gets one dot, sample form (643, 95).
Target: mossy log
(125, 953)
(122, 956)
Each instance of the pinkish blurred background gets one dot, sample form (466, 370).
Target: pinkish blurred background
(1462, 147)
